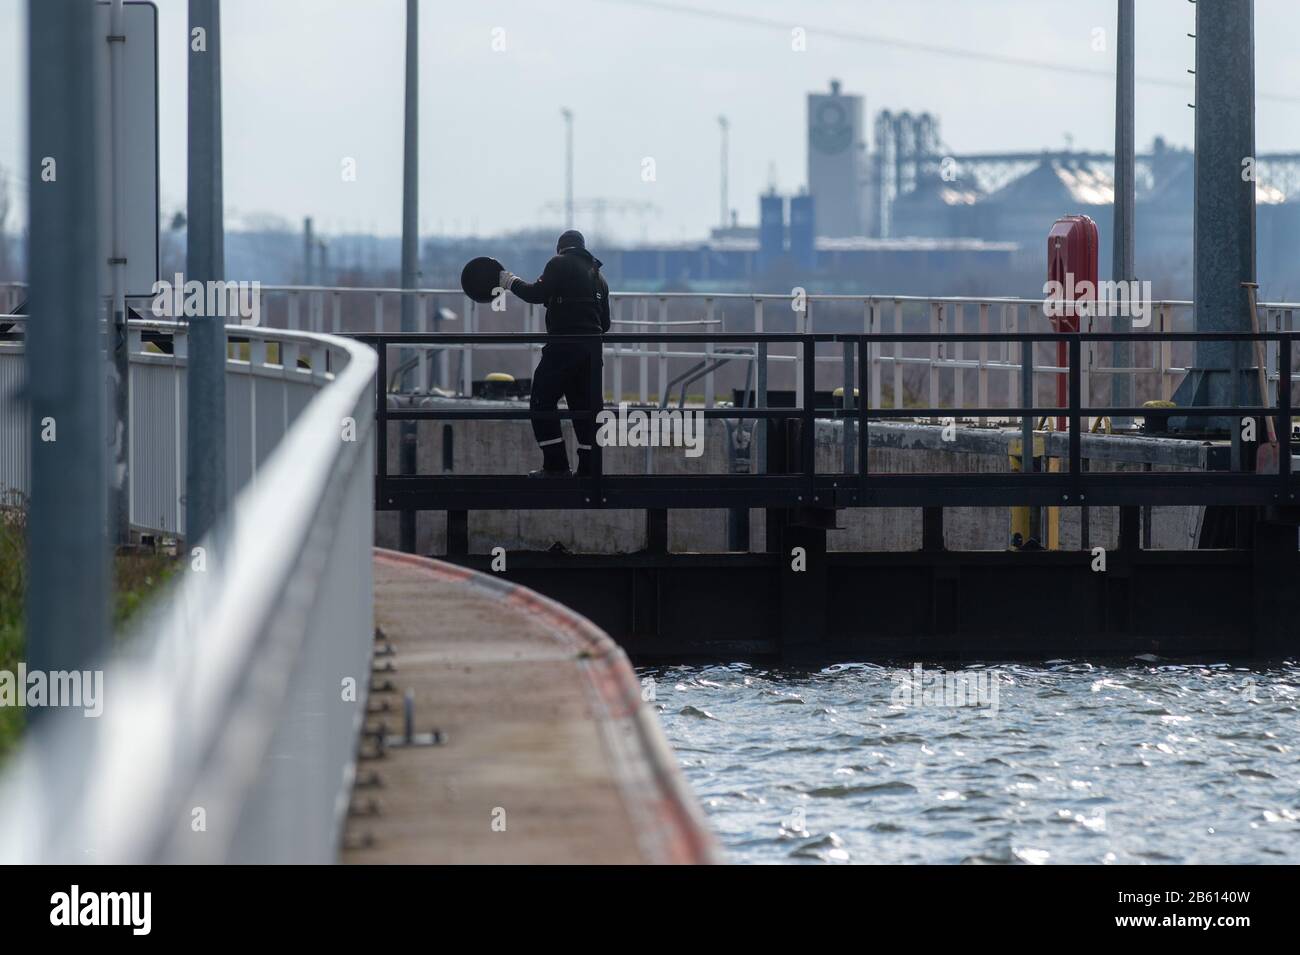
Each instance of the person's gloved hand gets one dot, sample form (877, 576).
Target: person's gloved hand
(506, 279)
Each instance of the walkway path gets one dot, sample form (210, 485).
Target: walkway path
(549, 756)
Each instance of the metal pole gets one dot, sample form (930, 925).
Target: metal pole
(410, 167)
(205, 474)
(121, 437)
(760, 395)
(308, 244)
(568, 167)
(68, 567)
(847, 436)
(1122, 263)
(1027, 457)
(1284, 417)
(410, 253)
(724, 212)
(1224, 226)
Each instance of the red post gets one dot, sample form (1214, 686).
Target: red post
(1071, 277)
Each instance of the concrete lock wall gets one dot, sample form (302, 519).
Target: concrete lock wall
(507, 447)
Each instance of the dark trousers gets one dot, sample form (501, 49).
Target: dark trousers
(565, 371)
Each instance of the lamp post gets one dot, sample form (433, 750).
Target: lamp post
(568, 167)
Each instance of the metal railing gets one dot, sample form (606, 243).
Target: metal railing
(228, 730)
(644, 367)
(342, 310)
(856, 485)
(266, 369)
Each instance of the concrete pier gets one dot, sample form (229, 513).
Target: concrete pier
(548, 753)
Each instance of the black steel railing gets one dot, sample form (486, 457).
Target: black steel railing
(802, 485)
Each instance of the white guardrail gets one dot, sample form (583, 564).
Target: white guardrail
(228, 732)
(971, 373)
(981, 373)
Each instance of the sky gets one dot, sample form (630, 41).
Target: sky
(310, 83)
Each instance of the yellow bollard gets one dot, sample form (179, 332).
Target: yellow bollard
(1022, 521)
(1053, 530)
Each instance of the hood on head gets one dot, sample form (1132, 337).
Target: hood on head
(571, 239)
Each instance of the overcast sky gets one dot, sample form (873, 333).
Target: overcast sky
(309, 82)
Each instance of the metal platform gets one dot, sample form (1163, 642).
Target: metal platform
(926, 604)
(801, 486)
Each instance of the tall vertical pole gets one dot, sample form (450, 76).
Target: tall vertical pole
(1122, 263)
(568, 167)
(68, 571)
(308, 251)
(121, 437)
(1224, 219)
(410, 252)
(724, 213)
(205, 470)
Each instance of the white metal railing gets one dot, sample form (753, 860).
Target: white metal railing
(991, 366)
(260, 375)
(994, 368)
(230, 717)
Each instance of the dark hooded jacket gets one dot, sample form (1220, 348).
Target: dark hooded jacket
(574, 292)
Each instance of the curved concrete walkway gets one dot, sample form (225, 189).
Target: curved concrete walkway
(549, 755)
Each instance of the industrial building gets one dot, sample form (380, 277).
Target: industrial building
(837, 161)
(905, 213)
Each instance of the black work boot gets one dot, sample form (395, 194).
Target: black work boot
(555, 461)
(584, 461)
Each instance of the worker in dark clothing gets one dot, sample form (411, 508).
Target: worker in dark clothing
(576, 297)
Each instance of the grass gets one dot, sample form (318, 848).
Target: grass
(13, 581)
(135, 578)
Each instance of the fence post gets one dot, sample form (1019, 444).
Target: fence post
(847, 434)
(867, 383)
(1075, 353)
(1026, 404)
(1284, 417)
(709, 385)
(982, 384)
(808, 440)
(597, 401)
(898, 355)
(760, 393)
(618, 354)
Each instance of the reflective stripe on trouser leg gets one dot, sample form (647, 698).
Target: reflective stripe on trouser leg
(548, 387)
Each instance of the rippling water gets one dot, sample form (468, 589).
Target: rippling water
(1078, 764)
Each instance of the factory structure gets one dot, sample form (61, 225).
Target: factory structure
(892, 207)
(887, 207)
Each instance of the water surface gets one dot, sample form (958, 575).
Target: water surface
(1079, 763)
